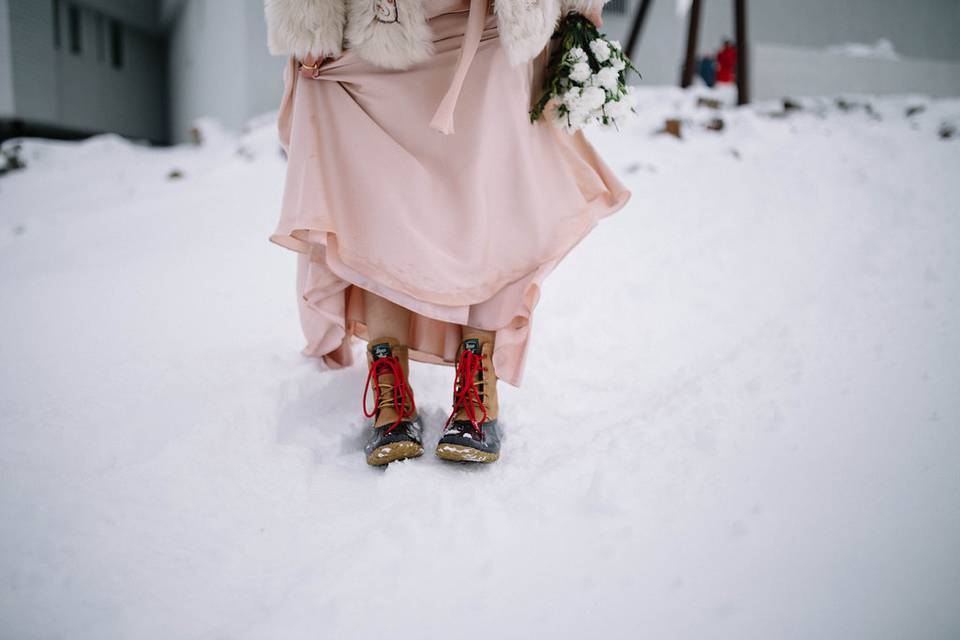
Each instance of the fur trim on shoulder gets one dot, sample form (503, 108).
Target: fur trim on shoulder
(301, 27)
(525, 26)
(392, 34)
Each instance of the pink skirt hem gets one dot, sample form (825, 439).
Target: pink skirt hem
(332, 277)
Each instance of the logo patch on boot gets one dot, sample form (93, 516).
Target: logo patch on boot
(381, 350)
(472, 345)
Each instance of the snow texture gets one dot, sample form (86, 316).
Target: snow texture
(882, 50)
(740, 419)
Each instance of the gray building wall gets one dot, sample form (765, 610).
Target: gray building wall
(265, 87)
(6, 62)
(34, 60)
(53, 86)
(219, 62)
(142, 14)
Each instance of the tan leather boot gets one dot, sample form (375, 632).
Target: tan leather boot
(397, 429)
(472, 433)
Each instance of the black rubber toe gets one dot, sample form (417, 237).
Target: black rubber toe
(461, 433)
(406, 431)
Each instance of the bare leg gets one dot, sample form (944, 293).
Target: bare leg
(386, 319)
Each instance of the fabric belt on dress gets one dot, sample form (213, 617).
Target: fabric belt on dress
(443, 118)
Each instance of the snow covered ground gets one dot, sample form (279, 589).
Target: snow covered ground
(740, 418)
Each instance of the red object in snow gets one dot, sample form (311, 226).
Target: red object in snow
(727, 63)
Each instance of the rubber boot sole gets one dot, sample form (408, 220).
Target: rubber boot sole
(394, 451)
(459, 453)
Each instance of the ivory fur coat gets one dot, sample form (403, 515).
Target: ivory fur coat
(394, 34)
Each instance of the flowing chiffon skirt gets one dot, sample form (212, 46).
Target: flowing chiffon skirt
(460, 229)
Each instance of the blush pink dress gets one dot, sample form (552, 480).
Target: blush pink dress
(459, 228)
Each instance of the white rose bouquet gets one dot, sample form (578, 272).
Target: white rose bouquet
(586, 78)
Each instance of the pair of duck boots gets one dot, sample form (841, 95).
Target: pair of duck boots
(471, 433)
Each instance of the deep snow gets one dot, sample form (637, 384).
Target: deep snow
(740, 417)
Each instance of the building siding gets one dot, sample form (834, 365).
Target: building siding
(34, 61)
(82, 91)
(6, 63)
(265, 87)
(221, 65)
(206, 52)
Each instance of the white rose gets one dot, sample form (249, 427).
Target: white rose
(618, 64)
(592, 98)
(580, 72)
(618, 109)
(615, 44)
(581, 117)
(607, 78)
(576, 54)
(570, 121)
(601, 50)
(571, 98)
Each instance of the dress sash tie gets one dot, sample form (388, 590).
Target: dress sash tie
(443, 118)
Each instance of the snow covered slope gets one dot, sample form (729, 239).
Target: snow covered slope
(740, 418)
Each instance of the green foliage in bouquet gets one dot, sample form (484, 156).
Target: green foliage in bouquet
(586, 75)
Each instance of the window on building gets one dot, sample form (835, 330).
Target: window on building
(56, 24)
(101, 38)
(116, 44)
(76, 28)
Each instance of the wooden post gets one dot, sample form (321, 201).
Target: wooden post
(693, 36)
(637, 27)
(743, 53)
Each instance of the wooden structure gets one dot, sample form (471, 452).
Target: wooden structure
(693, 37)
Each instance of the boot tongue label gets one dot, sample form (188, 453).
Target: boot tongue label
(472, 345)
(381, 350)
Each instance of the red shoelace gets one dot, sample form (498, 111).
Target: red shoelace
(466, 394)
(400, 389)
